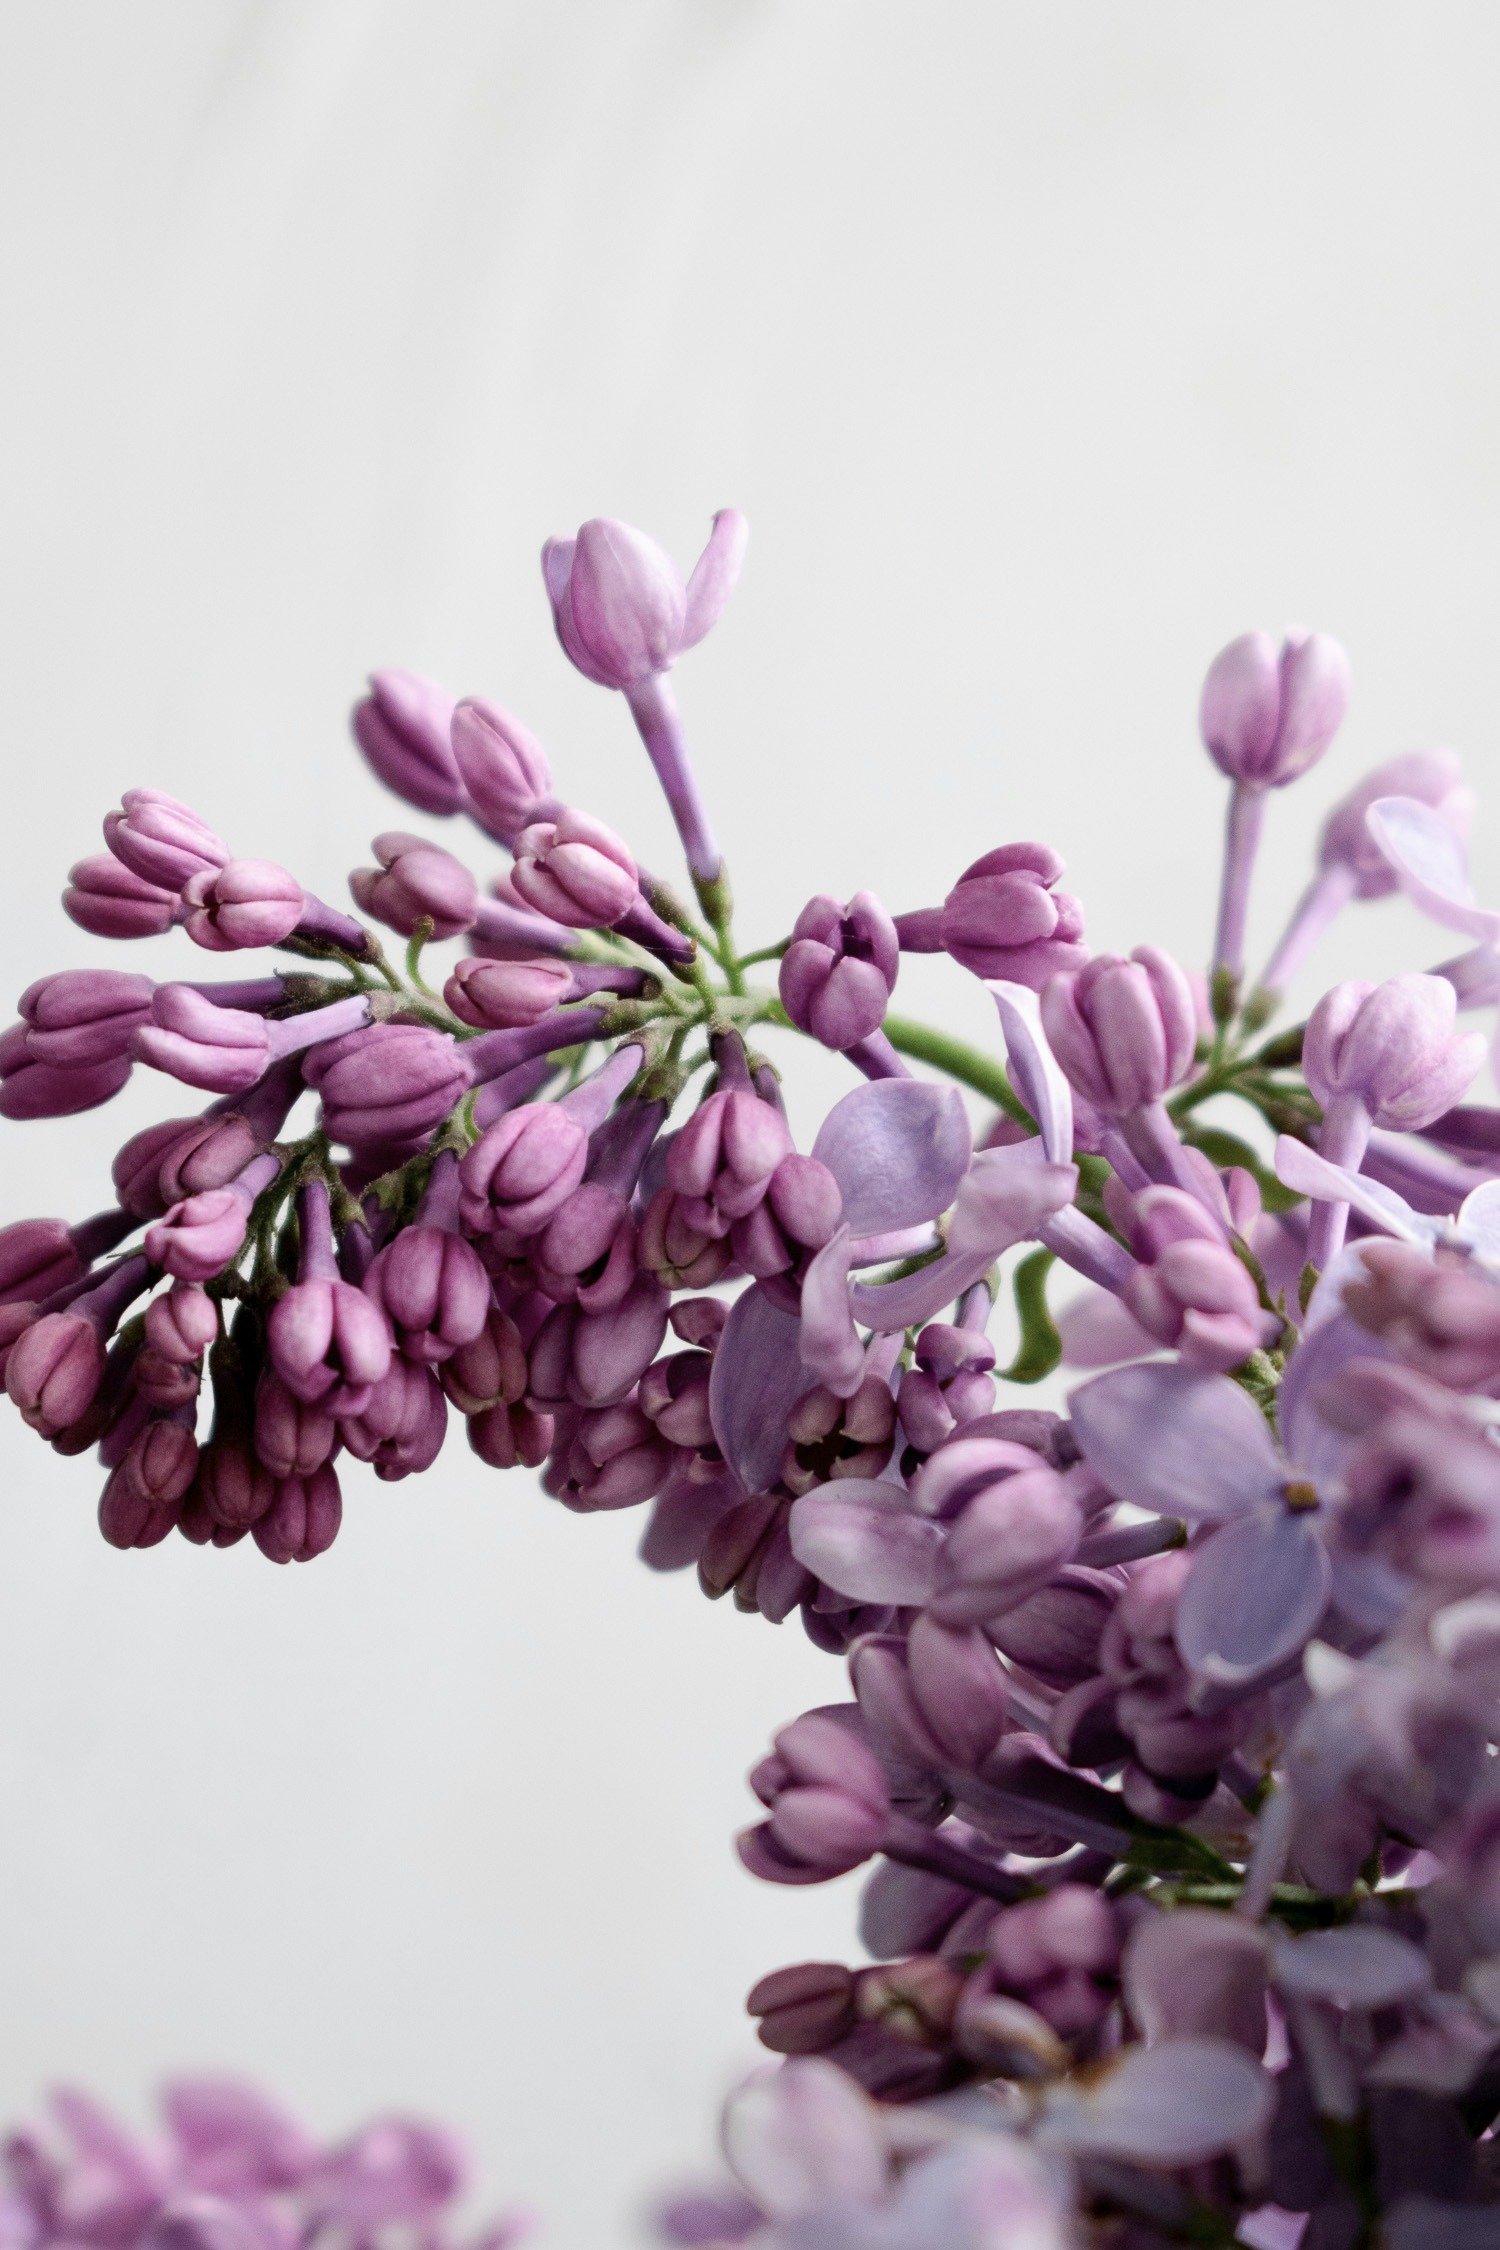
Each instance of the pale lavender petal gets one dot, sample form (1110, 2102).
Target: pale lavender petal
(804, 2135)
(918, 1297)
(865, 1545)
(1194, 1971)
(714, 576)
(1306, 1173)
(1313, 1446)
(1034, 1068)
(1099, 1330)
(998, 2193)
(1357, 1967)
(1176, 1442)
(1177, 2103)
(830, 1348)
(1254, 1595)
(1479, 1219)
(1431, 864)
(898, 1148)
(1006, 1196)
(758, 1377)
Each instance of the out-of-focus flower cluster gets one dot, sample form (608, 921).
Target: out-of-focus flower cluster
(1171, 1717)
(232, 2170)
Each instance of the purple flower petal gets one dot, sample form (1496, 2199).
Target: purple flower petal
(1306, 1173)
(804, 2135)
(863, 1538)
(1313, 1446)
(1006, 1195)
(1176, 1442)
(898, 1148)
(1356, 1967)
(1254, 1595)
(1179, 2102)
(1479, 1219)
(758, 1377)
(1431, 864)
(1034, 1069)
(918, 1297)
(830, 1349)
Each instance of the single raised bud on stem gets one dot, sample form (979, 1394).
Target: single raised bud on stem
(1394, 1047)
(429, 1282)
(204, 1233)
(506, 995)
(416, 882)
(104, 897)
(575, 871)
(402, 727)
(329, 1342)
(503, 767)
(1267, 715)
(618, 601)
(723, 1160)
(246, 902)
(829, 1803)
(1124, 1031)
(161, 840)
(840, 969)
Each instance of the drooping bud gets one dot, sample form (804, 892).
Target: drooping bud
(402, 727)
(417, 882)
(504, 768)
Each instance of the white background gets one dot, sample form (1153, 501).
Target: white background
(1046, 346)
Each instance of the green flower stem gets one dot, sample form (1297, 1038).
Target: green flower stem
(967, 1064)
(765, 953)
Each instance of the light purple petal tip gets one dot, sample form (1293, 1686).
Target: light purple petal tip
(1254, 1595)
(1176, 1442)
(1431, 864)
(898, 1148)
(1034, 1068)
(757, 1379)
(863, 1539)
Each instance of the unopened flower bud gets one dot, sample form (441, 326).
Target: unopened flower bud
(234, 1488)
(402, 727)
(1061, 1955)
(1123, 1031)
(36, 1257)
(804, 2009)
(1005, 918)
(575, 871)
(292, 1437)
(678, 1250)
(1010, 1539)
(621, 609)
(433, 1290)
(161, 840)
(505, 1437)
(417, 882)
(723, 1160)
(521, 1169)
(507, 995)
(224, 1050)
(1267, 716)
(401, 1430)
(829, 1803)
(1392, 1046)
(184, 1323)
(303, 1518)
(81, 1018)
(390, 1083)
(504, 768)
(54, 1369)
(840, 969)
(110, 901)
(616, 1460)
(31, 1089)
(489, 1370)
(246, 902)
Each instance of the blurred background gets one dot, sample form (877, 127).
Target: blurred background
(1045, 348)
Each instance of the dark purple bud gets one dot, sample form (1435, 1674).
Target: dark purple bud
(163, 1382)
(416, 882)
(184, 1323)
(680, 1253)
(504, 768)
(722, 1161)
(433, 1289)
(204, 1233)
(1003, 917)
(54, 1369)
(523, 1168)
(224, 1050)
(401, 1430)
(233, 1487)
(387, 1084)
(128, 1519)
(1061, 1954)
(840, 969)
(1055, 1633)
(508, 995)
(575, 871)
(505, 1436)
(402, 728)
(1266, 717)
(674, 1393)
(110, 902)
(245, 902)
(161, 840)
(489, 1370)
(161, 1462)
(29, 1089)
(303, 1519)
(291, 1437)
(616, 1460)
(612, 1350)
(803, 2009)
(805, 1200)
(82, 1018)
(36, 1257)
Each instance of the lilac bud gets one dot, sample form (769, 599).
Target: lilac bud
(507, 995)
(803, 2009)
(163, 1382)
(233, 1487)
(618, 602)
(54, 1369)
(128, 1519)
(611, 1350)
(418, 882)
(36, 1257)
(224, 1050)
(433, 1289)
(829, 1802)
(184, 1323)
(161, 840)
(303, 1519)
(840, 969)
(1439, 1319)
(81, 1018)
(575, 871)
(1195, 1293)
(522, 1168)
(504, 768)
(402, 727)
(676, 1249)
(1003, 917)
(30, 1089)
(831, 1437)
(291, 1438)
(507, 1436)
(723, 1159)
(389, 1083)
(401, 1430)
(1433, 777)
(1265, 718)
(109, 901)
(243, 903)
(617, 1460)
(586, 1251)
(1061, 1954)
(1018, 1529)
(211, 1153)
(161, 1463)
(329, 1342)
(1055, 1633)
(489, 1370)
(1393, 1047)
(204, 1233)
(674, 1394)
(1123, 1031)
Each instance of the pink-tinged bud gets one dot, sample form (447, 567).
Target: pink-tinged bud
(110, 902)
(805, 1198)
(1194, 1292)
(401, 1431)
(616, 1460)
(507, 995)
(203, 1234)
(596, 1359)
(167, 1383)
(330, 1344)
(1266, 717)
(434, 1291)
(213, 1152)
(292, 1438)
(184, 1323)
(489, 1370)
(1441, 1320)
(586, 1251)
(674, 1394)
(402, 728)
(224, 1050)
(522, 1169)
(128, 1519)
(161, 1463)
(243, 903)
(36, 1257)
(233, 1487)
(677, 1251)
(30, 1089)
(1123, 1031)
(505, 1437)
(390, 1083)
(1003, 918)
(504, 768)
(829, 1802)
(417, 882)
(722, 1161)
(840, 969)
(575, 871)
(161, 840)
(53, 1371)
(1433, 777)
(82, 1018)
(1392, 1046)
(303, 1519)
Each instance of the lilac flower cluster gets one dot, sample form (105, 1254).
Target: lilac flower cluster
(232, 2170)
(1171, 1717)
